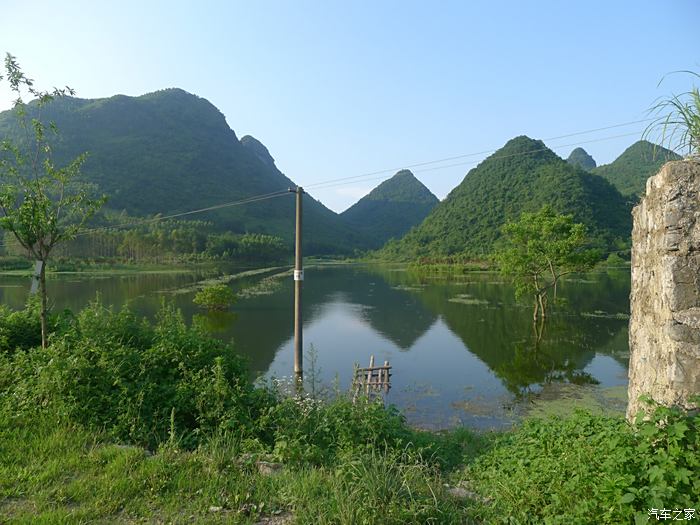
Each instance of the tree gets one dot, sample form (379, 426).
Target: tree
(541, 248)
(41, 203)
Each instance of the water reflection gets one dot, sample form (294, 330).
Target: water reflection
(462, 348)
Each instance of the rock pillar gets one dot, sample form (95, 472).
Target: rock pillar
(665, 297)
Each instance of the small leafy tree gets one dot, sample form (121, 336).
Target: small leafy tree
(216, 297)
(41, 204)
(541, 248)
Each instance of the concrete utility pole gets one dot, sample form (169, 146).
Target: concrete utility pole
(298, 281)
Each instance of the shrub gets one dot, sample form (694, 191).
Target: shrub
(114, 371)
(302, 429)
(215, 297)
(21, 329)
(586, 468)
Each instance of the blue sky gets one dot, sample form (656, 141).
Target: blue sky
(337, 89)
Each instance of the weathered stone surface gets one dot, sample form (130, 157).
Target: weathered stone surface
(665, 297)
(268, 468)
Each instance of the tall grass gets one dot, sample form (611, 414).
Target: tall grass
(677, 120)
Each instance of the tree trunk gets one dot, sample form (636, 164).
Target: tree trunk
(539, 331)
(42, 292)
(536, 309)
(540, 298)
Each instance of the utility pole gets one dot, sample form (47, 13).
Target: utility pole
(298, 281)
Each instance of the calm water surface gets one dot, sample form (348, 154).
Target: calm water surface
(462, 350)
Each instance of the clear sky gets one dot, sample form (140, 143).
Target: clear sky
(341, 88)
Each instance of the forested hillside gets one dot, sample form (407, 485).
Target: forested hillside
(171, 151)
(522, 176)
(391, 209)
(630, 171)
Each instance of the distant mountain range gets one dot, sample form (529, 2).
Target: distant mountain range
(522, 176)
(171, 151)
(391, 209)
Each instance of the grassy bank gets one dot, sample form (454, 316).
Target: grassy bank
(122, 420)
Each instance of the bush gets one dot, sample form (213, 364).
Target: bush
(306, 430)
(21, 330)
(114, 371)
(215, 297)
(585, 469)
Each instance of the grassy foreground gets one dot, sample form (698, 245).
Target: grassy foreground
(122, 420)
(60, 473)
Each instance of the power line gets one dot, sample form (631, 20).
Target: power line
(138, 222)
(331, 183)
(474, 154)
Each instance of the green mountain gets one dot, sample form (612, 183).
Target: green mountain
(391, 209)
(580, 157)
(630, 171)
(171, 151)
(522, 176)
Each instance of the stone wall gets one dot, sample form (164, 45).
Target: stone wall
(665, 298)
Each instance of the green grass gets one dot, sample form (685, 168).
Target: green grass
(575, 469)
(57, 472)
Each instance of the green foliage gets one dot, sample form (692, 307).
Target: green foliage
(308, 430)
(56, 472)
(586, 468)
(215, 297)
(170, 240)
(522, 176)
(391, 209)
(250, 247)
(630, 171)
(42, 203)
(678, 119)
(614, 260)
(20, 330)
(113, 371)
(540, 248)
(580, 157)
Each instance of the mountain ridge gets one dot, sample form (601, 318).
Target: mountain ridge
(171, 151)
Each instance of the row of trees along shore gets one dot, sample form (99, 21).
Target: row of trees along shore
(161, 241)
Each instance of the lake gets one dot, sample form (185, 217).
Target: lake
(463, 351)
